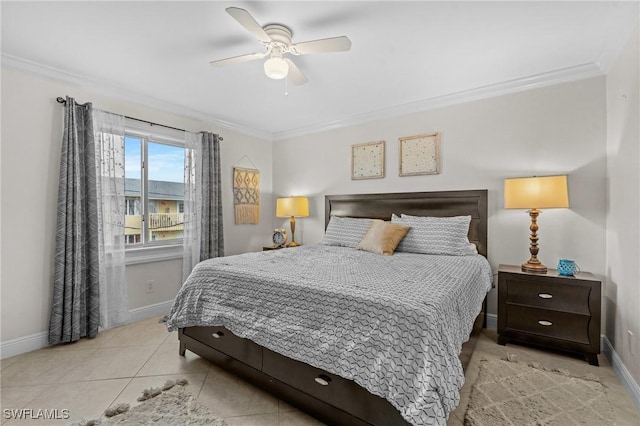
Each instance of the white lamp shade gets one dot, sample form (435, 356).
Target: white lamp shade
(292, 206)
(276, 68)
(544, 192)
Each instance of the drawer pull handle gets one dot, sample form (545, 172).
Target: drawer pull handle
(217, 334)
(323, 380)
(545, 323)
(545, 296)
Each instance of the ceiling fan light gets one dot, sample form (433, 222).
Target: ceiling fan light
(276, 68)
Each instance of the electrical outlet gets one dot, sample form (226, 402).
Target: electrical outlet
(630, 342)
(150, 286)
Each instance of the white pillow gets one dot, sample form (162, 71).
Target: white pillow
(345, 231)
(436, 235)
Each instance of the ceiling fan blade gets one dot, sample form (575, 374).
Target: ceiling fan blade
(333, 44)
(237, 59)
(245, 19)
(295, 75)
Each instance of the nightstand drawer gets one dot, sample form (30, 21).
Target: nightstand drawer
(559, 297)
(560, 325)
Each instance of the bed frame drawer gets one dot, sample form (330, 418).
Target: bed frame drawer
(223, 340)
(328, 387)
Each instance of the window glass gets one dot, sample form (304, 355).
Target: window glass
(165, 191)
(154, 191)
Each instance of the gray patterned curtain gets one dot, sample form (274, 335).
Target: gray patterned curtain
(75, 311)
(203, 236)
(212, 238)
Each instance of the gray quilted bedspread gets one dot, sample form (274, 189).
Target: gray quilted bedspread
(393, 324)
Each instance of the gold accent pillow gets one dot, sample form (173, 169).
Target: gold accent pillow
(383, 237)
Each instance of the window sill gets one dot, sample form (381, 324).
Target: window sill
(135, 256)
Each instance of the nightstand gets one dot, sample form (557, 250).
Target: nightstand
(550, 310)
(267, 248)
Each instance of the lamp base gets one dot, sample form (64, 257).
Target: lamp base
(536, 268)
(292, 223)
(533, 265)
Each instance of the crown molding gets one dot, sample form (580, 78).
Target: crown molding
(578, 72)
(117, 92)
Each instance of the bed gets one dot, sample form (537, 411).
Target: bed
(389, 355)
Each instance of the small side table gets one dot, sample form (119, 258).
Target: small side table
(550, 310)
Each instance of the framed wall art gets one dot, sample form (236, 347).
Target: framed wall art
(367, 160)
(420, 155)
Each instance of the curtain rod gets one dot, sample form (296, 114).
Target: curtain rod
(62, 100)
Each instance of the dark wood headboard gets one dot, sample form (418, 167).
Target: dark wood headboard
(438, 203)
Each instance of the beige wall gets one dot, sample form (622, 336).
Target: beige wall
(557, 129)
(31, 138)
(622, 289)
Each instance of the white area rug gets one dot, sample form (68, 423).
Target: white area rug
(511, 393)
(174, 406)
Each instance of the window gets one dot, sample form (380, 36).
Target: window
(132, 239)
(154, 190)
(132, 206)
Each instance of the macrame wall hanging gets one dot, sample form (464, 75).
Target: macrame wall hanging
(246, 195)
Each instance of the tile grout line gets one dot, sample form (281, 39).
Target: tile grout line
(149, 358)
(206, 375)
(117, 396)
(45, 387)
(136, 375)
(137, 372)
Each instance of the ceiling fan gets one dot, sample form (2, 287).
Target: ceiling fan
(276, 39)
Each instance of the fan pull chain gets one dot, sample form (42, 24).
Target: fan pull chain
(286, 87)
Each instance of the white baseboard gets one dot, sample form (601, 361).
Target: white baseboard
(492, 321)
(23, 345)
(40, 340)
(149, 311)
(621, 370)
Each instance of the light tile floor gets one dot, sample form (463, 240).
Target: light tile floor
(90, 375)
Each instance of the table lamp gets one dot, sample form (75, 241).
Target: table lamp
(534, 193)
(292, 207)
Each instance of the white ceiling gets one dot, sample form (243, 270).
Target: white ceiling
(404, 54)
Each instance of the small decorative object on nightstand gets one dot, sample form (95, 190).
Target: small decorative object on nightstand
(279, 237)
(550, 310)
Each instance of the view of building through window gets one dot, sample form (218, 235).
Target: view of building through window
(154, 191)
